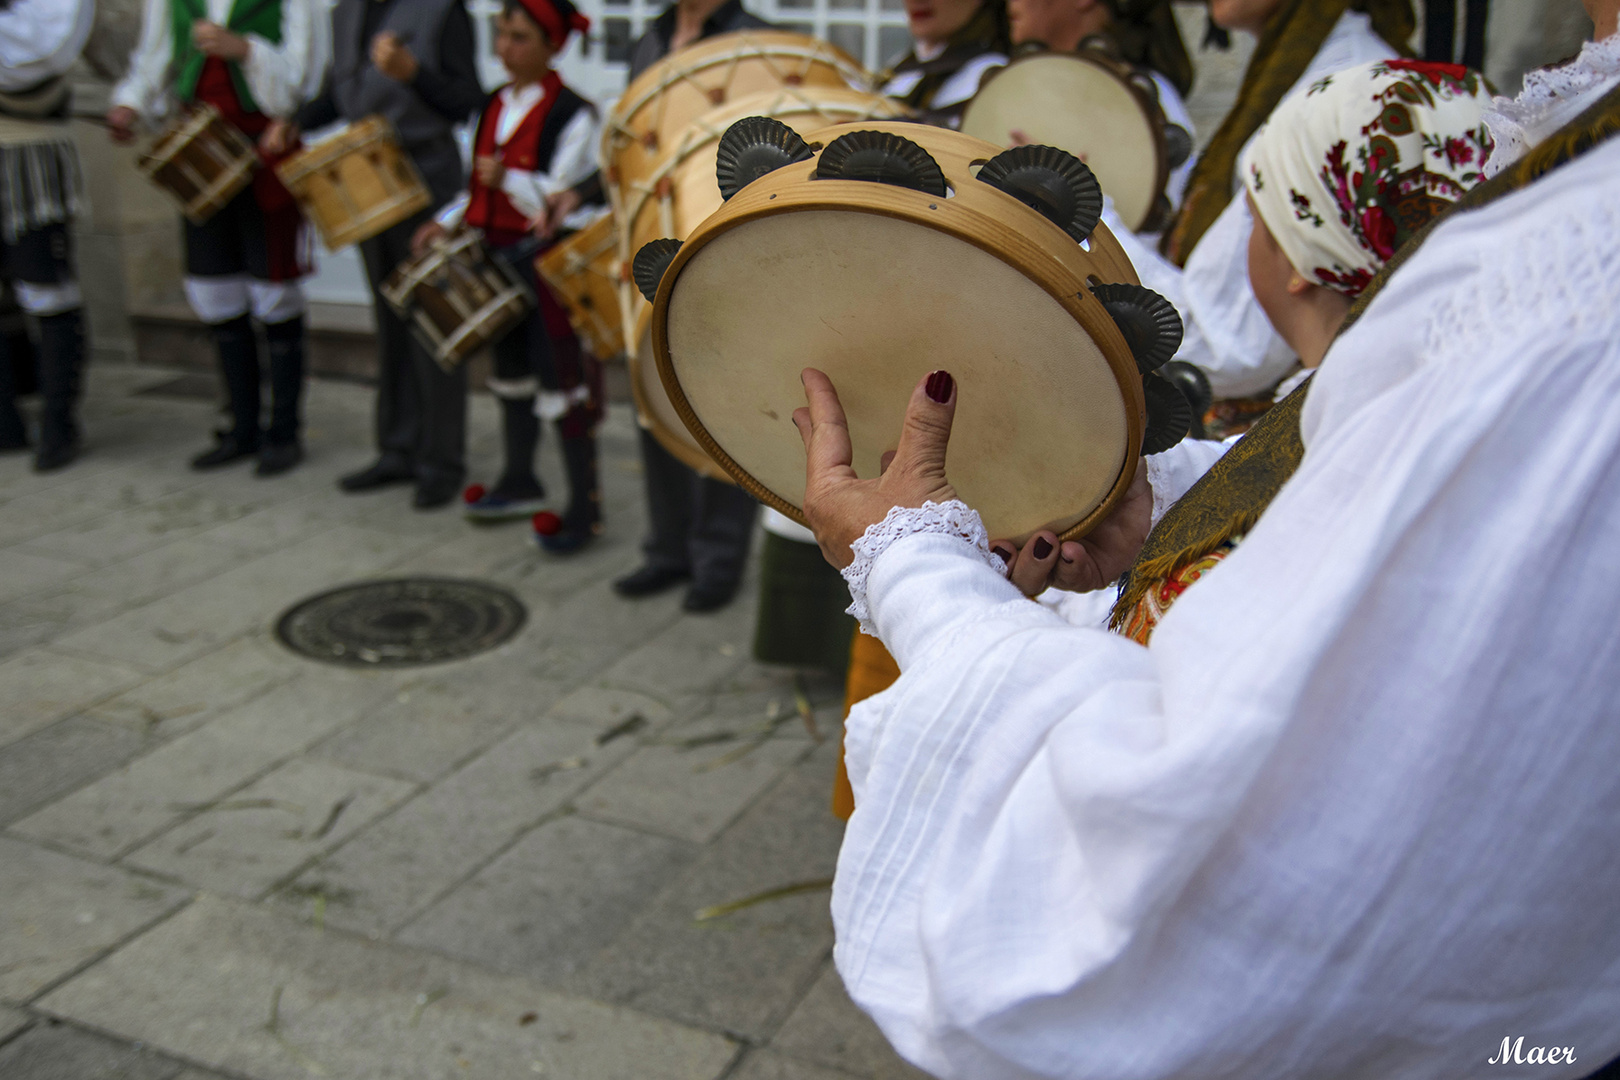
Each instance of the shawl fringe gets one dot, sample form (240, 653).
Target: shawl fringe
(40, 185)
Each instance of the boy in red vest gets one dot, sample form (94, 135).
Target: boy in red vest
(536, 137)
(255, 61)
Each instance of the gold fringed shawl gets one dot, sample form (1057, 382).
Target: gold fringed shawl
(1228, 500)
(1291, 39)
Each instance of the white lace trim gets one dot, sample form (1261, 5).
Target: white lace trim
(1551, 98)
(952, 518)
(1159, 473)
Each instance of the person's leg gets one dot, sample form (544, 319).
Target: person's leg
(13, 434)
(272, 251)
(216, 288)
(722, 527)
(517, 492)
(670, 488)
(398, 415)
(571, 395)
(48, 292)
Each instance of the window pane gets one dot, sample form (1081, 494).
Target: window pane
(798, 28)
(847, 5)
(616, 40)
(851, 37)
(893, 43)
(794, 4)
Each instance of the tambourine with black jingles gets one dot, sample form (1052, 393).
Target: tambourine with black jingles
(881, 253)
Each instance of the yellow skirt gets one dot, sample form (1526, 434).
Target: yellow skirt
(871, 671)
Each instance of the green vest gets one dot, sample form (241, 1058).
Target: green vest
(259, 17)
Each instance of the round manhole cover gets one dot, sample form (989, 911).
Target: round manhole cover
(402, 622)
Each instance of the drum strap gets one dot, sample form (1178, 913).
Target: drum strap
(1230, 498)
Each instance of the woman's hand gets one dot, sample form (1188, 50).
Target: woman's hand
(489, 170)
(393, 57)
(1094, 561)
(213, 39)
(121, 124)
(838, 504)
(430, 232)
(278, 138)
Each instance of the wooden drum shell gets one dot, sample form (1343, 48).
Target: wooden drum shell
(202, 161)
(355, 184)
(988, 220)
(457, 299)
(584, 271)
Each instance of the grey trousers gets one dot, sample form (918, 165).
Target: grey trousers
(421, 410)
(697, 526)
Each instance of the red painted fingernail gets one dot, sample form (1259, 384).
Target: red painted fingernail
(1005, 553)
(939, 386)
(1043, 547)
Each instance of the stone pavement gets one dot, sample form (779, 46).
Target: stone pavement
(218, 859)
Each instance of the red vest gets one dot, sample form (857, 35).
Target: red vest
(490, 209)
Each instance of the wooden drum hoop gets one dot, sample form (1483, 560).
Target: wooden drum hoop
(356, 184)
(584, 271)
(457, 278)
(1098, 108)
(229, 157)
(989, 221)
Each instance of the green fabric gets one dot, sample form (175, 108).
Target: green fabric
(801, 618)
(1231, 497)
(259, 17)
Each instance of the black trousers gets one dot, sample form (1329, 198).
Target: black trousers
(421, 409)
(697, 525)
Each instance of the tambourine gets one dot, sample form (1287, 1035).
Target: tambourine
(881, 253)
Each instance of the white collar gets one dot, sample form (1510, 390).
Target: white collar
(1551, 98)
(515, 105)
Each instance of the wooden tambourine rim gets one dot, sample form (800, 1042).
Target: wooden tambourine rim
(1003, 240)
(1152, 111)
(705, 466)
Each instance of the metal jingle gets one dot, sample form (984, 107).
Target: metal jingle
(1169, 414)
(1052, 182)
(883, 158)
(1194, 386)
(651, 262)
(1178, 145)
(1149, 322)
(752, 147)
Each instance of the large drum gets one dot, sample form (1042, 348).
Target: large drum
(1099, 109)
(584, 273)
(655, 108)
(202, 160)
(457, 298)
(884, 255)
(355, 184)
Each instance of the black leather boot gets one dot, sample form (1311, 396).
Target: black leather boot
(518, 493)
(583, 519)
(61, 364)
(239, 367)
(13, 436)
(285, 342)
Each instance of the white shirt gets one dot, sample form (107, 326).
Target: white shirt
(40, 39)
(959, 87)
(280, 77)
(572, 161)
(1225, 330)
(1353, 813)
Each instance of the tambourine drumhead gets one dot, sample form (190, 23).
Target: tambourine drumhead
(1078, 105)
(877, 302)
(684, 85)
(656, 413)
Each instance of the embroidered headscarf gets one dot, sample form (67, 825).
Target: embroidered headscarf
(1293, 34)
(1345, 173)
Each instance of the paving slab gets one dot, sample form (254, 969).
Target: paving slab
(195, 620)
(829, 1029)
(43, 617)
(740, 973)
(246, 843)
(61, 911)
(167, 706)
(23, 572)
(696, 653)
(545, 906)
(589, 629)
(40, 686)
(58, 759)
(155, 792)
(56, 1051)
(117, 536)
(71, 498)
(395, 870)
(440, 719)
(764, 1065)
(240, 989)
(689, 792)
(12, 1021)
(606, 708)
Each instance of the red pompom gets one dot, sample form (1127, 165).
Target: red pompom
(547, 524)
(473, 493)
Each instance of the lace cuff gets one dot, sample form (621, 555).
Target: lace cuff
(953, 518)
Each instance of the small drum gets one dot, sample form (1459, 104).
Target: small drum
(664, 99)
(456, 298)
(880, 253)
(1099, 109)
(583, 271)
(202, 160)
(355, 184)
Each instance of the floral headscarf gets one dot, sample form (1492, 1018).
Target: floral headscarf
(1344, 173)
